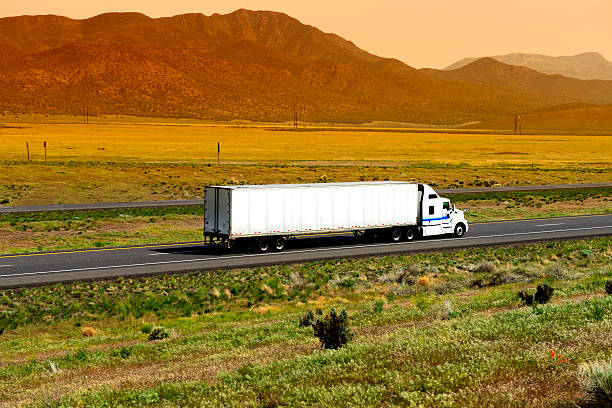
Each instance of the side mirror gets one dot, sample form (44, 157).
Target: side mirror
(453, 207)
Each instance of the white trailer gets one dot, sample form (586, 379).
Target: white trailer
(269, 215)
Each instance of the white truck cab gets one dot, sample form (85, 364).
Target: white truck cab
(439, 216)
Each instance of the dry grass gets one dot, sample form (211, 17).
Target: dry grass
(198, 143)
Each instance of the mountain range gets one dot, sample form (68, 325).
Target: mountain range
(588, 65)
(257, 65)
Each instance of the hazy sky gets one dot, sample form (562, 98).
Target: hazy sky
(426, 33)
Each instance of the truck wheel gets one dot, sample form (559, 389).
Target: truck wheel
(279, 244)
(459, 230)
(410, 234)
(396, 235)
(263, 245)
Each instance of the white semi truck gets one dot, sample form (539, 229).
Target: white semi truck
(266, 216)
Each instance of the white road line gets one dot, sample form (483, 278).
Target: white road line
(549, 225)
(4, 266)
(291, 252)
(158, 253)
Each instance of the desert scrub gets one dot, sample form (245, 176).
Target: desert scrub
(332, 330)
(456, 361)
(596, 382)
(244, 289)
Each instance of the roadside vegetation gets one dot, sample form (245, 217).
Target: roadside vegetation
(99, 181)
(437, 329)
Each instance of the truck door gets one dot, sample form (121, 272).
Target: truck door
(432, 214)
(447, 214)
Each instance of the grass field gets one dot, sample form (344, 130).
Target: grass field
(431, 330)
(130, 159)
(174, 142)
(86, 229)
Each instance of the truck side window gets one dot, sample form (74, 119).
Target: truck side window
(446, 205)
(431, 210)
(433, 196)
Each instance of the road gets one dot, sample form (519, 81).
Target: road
(191, 203)
(105, 263)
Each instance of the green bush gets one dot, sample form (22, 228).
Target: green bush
(542, 295)
(378, 306)
(308, 318)
(332, 329)
(158, 333)
(146, 328)
(609, 286)
(596, 382)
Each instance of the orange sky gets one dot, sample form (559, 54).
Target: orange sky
(426, 33)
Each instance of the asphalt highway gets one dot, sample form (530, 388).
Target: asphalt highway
(105, 263)
(197, 202)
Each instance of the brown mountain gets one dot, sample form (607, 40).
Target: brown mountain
(489, 71)
(588, 65)
(579, 118)
(247, 64)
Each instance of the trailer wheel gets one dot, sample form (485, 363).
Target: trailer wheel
(410, 234)
(279, 244)
(263, 244)
(459, 230)
(396, 235)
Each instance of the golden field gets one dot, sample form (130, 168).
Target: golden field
(133, 159)
(198, 143)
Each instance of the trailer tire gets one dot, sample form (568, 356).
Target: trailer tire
(279, 244)
(410, 234)
(459, 230)
(396, 235)
(263, 244)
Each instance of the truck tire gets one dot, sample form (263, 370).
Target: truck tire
(396, 235)
(459, 230)
(279, 244)
(263, 244)
(410, 234)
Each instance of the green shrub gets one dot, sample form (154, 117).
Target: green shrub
(596, 382)
(378, 306)
(158, 333)
(609, 286)
(123, 352)
(332, 329)
(308, 318)
(542, 295)
(146, 328)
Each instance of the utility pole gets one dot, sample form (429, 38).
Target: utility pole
(218, 152)
(515, 122)
(28, 150)
(45, 146)
(520, 125)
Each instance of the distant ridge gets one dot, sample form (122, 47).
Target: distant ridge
(588, 65)
(490, 71)
(257, 65)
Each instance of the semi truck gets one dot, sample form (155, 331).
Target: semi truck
(265, 217)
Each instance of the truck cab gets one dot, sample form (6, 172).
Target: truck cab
(439, 216)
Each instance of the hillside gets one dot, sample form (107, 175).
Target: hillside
(248, 64)
(489, 71)
(581, 118)
(589, 65)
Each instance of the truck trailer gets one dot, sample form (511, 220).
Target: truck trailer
(267, 216)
